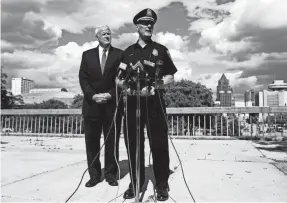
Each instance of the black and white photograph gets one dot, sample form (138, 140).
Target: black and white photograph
(143, 101)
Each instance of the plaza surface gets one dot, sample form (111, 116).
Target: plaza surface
(47, 169)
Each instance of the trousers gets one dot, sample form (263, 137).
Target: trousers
(93, 131)
(152, 116)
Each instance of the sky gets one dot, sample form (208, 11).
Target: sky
(43, 40)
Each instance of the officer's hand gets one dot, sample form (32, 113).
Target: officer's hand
(128, 91)
(120, 83)
(146, 92)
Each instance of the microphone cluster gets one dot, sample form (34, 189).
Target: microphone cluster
(147, 73)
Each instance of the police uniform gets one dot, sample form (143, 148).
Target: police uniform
(152, 109)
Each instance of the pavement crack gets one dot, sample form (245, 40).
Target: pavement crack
(181, 161)
(44, 172)
(25, 198)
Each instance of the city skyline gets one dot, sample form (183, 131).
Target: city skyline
(44, 40)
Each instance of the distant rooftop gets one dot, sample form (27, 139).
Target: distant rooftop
(21, 78)
(278, 85)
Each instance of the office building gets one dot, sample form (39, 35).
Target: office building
(224, 92)
(249, 97)
(276, 97)
(21, 85)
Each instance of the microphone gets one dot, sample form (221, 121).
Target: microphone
(149, 63)
(158, 72)
(122, 69)
(137, 65)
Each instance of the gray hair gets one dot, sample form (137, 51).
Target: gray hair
(100, 28)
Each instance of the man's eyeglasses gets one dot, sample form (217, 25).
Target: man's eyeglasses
(146, 22)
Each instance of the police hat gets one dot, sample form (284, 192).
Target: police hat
(146, 14)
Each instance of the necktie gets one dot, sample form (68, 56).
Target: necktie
(104, 59)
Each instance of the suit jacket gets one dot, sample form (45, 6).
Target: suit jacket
(92, 81)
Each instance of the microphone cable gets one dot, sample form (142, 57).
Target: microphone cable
(175, 148)
(116, 144)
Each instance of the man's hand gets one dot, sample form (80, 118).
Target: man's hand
(108, 96)
(101, 98)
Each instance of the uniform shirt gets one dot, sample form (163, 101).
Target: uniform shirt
(153, 52)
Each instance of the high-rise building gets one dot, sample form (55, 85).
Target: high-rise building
(276, 97)
(224, 92)
(21, 85)
(271, 98)
(249, 97)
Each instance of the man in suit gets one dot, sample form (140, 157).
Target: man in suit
(97, 80)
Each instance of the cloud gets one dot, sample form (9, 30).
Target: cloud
(201, 24)
(236, 81)
(251, 38)
(57, 69)
(256, 26)
(178, 48)
(6, 45)
(68, 15)
(61, 66)
(124, 40)
(19, 29)
(171, 40)
(242, 37)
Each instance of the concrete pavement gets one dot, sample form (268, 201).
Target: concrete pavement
(49, 169)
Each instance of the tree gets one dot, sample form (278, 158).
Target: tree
(64, 90)
(77, 102)
(233, 125)
(253, 118)
(5, 97)
(49, 104)
(8, 100)
(186, 93)
(278, 118)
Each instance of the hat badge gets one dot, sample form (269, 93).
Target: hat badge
(148, 12)
(155, 52)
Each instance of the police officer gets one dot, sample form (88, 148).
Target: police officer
(146, 54)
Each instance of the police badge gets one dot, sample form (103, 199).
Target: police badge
(154, 52)
(148, 12)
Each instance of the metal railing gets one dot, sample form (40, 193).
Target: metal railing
(187, 121)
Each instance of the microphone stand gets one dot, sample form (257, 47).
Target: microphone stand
(138, 114)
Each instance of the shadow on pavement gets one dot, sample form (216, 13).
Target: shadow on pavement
(278, 146)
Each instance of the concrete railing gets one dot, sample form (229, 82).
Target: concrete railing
(186, 121)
